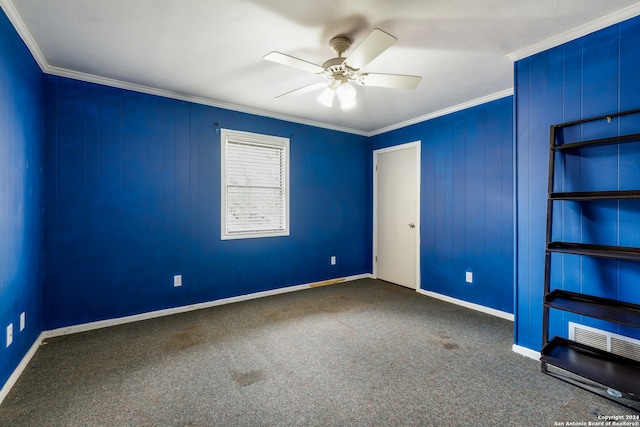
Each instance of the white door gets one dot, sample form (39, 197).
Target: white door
(396, 220)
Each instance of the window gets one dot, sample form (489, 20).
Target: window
(255, 185)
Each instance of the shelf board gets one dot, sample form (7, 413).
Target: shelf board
(596, 118)
(611, 370)
(620, 312)
(601, 141)
(596, 195)
(601, 251)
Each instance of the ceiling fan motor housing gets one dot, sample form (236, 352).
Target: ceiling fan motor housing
(340, 70)
(335, 68)
(340, 44)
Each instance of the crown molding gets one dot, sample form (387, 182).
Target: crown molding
(598, 24)
(445, 111)
(21, 28)
(24, 33)
(106, 81)
(575, 33)
(92, 78)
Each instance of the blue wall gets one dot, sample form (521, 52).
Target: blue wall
(133, 197)
(21, 267)
(466, 202)
(131, 194)
(591, 76)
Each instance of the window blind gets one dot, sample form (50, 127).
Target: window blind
(255, 187)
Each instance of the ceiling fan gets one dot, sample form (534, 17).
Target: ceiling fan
(339, 71)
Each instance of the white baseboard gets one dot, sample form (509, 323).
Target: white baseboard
(524, 351)
(472, 306)
(153, 314)
(191, 307)
(20, 368)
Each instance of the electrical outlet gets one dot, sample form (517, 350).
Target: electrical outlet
(9, 334)
(177, 280)
(333, 260)
(23, 321)
(469, 277)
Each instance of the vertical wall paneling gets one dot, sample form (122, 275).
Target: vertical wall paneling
(21, 186)
(466, 202)
(133, 197)
(629, 169)
(590, 76)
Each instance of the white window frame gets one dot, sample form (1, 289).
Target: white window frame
(227, 135)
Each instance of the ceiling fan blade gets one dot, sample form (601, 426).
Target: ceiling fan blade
(398, 81)
(376, 42)
(294, 62)
(301, 91)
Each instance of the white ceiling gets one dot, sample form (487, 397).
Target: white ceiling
(211, 51)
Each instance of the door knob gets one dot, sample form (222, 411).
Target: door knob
(412, 225)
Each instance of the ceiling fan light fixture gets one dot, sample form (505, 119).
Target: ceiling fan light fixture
(326, 97)
(340, 71)
(346, 96)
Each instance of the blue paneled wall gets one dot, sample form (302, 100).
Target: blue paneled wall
(21, 267)
(133, 197)
(591, 76)
(466, 202)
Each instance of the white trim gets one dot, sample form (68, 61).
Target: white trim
(28, 39)
(444, 111)
(527, 352)
(466, 304)
(417, 145)
(418, 210)
(575, 33)
(267, 141)
(191, 307)
(22, 30)
(24, 33)
(154, 314)
(91, 78)
(20, 368)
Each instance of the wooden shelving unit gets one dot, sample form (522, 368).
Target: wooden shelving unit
(600, 251)
(618, 376)
(600, 308)
(596, 195)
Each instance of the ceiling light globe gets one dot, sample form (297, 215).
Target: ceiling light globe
(326, 97)
(346, 96)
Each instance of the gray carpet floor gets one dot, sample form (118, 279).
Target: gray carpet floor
(363, 353)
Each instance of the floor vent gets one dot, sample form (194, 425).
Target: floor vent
(603, 340)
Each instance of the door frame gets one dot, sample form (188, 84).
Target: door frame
(376, 153)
